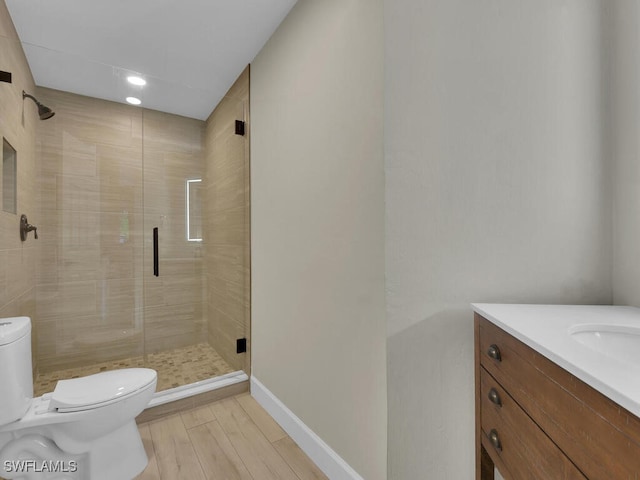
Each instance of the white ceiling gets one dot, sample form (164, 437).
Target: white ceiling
(189, 51)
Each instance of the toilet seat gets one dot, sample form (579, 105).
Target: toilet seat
(100, 389)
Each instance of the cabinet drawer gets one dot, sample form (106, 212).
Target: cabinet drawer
(601, 438)
(524, 449)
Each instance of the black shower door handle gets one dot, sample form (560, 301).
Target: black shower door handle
(156, 267)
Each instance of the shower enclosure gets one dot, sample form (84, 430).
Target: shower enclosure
(143, 250)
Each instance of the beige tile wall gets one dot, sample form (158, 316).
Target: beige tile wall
(17, 124)
(100, 163)
(227, 210)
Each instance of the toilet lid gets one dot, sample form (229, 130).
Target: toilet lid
(14, 328)
(99, 390)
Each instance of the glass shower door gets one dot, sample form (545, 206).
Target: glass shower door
(90, 224)
(173, 305)
(196, 245)
(226, 241)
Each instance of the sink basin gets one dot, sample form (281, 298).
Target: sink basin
(621, 342)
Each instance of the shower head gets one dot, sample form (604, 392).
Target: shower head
(44, 112)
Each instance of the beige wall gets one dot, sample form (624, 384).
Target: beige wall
(625, 64)
(317, 195)
(497, 189)
(95, 287)
(227, 236)
(17, 125)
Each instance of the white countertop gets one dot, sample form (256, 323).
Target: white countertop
(545, 328)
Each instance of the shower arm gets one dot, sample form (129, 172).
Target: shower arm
(26, 95)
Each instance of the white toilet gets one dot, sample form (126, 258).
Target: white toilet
(84, 430)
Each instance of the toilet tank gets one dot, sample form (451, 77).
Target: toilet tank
(16, 381)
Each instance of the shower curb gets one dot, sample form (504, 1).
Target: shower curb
(180, 399)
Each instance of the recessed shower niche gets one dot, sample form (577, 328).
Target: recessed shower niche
(9, 177)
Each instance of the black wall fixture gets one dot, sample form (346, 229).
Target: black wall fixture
(239, 127)
(5, 76)
(241, 345)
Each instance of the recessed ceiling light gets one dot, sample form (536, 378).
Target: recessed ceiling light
(134, 80)
(134, 100)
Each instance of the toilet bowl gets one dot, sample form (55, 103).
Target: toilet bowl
(84, 430)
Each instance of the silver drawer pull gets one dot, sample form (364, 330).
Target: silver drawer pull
(494, 397)
(495, 440)
(494, 352)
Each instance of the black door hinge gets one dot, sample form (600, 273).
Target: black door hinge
(239, 127)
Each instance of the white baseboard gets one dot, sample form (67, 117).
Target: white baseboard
(331, 464)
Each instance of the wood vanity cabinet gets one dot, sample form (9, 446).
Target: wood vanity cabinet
(534, 420)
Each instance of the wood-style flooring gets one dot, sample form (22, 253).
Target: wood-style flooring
(234, 438)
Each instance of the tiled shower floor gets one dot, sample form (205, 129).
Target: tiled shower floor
(177, 367)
